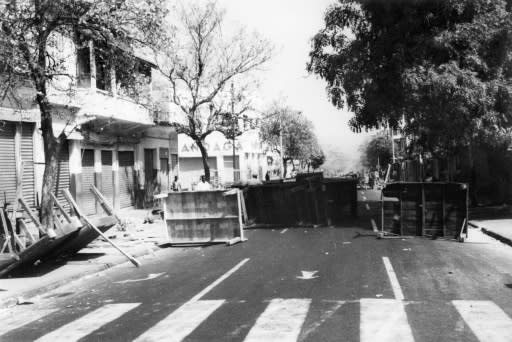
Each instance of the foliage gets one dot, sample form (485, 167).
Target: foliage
(377, 151)
(444, 67)
(31, 35)
(299, 140)
(201, 63)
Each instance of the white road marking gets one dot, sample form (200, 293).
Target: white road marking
(182, 322)
(395, 285)
(149, 277)
(487, 320)
(85, 325)
(189, 316)
(13, 319)
(219, 280)
(281, 321)
(307, 275)
(367, 206)
(374, 226)
(384, 320)
(284, 230)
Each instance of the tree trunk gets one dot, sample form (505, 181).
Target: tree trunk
(204, 155)
(51, 152)
(285, 167)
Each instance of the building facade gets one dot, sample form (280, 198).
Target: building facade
(250, 159)
(111, 140)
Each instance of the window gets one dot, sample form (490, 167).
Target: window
(103, 79)
(83, 67)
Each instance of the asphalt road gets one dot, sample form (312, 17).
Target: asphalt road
(355, 288)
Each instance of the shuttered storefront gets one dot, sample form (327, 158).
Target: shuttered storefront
(63, 175)
(126, 179)
(27, 157)
(7, 163)
(87, 200)
(107, 182)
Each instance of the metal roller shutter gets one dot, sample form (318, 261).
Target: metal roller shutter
(126, 179)
(7, 163)
(27, 156)
(107, 181)
(87, 200)
(63, 175)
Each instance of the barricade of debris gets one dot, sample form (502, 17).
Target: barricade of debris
(24, 241)
(428, 209)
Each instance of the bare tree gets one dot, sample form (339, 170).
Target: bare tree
(27, 32)
(201, 64)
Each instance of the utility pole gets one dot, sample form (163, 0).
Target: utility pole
(281, 142)
(233, 122)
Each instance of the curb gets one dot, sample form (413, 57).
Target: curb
(9, 302)
(498, 237)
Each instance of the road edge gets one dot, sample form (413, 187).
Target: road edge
(492, 234)
(11, 301)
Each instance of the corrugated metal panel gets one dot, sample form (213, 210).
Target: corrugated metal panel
(87, 201)
(126, 179)
(27, 156)
(7, 163)
(63, 175)
(107, 181)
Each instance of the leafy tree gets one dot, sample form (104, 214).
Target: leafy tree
(316, 159)
(444, 67)
(201, 64)
(377, 151)
(299, 140)
(29, 38)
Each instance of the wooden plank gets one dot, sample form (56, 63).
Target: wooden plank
(31, 215)
(23, 227)
(90, 224)
(240, 200)
(104, 203)
(6, 232)
(59, 206)
(244, 209)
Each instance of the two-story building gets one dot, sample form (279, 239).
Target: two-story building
(112, 140)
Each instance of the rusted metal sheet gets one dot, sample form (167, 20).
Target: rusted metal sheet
(7, 164)
(27, 156)
(86, 199)
(308, 200)
(202, 216)
(37, 251)
(84, 236)
(435, 209)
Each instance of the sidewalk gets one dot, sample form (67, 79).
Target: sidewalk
(499, 229)
(138, 240)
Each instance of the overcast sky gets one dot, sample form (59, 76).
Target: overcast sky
(290, 25)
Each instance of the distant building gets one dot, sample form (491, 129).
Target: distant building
(250, 159)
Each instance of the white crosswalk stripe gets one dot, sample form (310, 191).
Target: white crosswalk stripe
(281, 321)
(89, 323)
(181, 322)
(487, 320)
(384, 320)
(13, 319)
